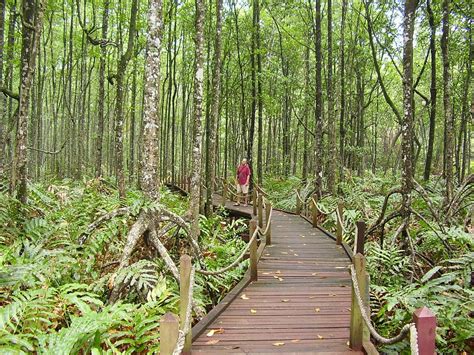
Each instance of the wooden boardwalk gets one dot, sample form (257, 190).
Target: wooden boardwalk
(300, 303)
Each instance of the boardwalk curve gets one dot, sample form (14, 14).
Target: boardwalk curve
(300, 303)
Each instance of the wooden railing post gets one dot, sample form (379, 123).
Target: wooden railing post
(315, 211)
(169, 326)
(253, 251)
(268, 225)
(357, 323)
(185, 274)
(339, 224)
(260, 210)
(298, 202)
(425, 322)
(224, 193)
(254, 201)
(360, 238)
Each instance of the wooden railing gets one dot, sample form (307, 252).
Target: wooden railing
(175, 333)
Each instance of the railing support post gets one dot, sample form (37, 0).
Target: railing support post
(185, 274)
(253, 251)
(260, 210)
(360, 238)
(357, 323)
(340, 211)
(254, 201)
(224, 193)
(169, 326)
(425, 322)
(268, 226)
(298, 202)
(315, 211)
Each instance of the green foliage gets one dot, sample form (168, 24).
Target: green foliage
(400, 282)
(54, 293)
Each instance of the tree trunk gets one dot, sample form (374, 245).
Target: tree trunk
(331, 174)
(433, 92)
(342, 67)
(32, 13)
(319, 105)
(151, 112)
(194, 199)
(101, 94)
(214, 117)
(119, 115)
(448, 114)
(407, 125)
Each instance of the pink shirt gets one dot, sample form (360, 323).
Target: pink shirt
(243, 172)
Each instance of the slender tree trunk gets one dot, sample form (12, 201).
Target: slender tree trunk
(407, 125)
(119, 99)
(253, 62)
(101, 94)
(331, 119)
(3, 101)
(32, 16)
(319, 105)
(306, 113)
(214, 117)
(433, 92)
(194, 200)
(448, 114)
(151, 112)
(259, 100)
(343, 93)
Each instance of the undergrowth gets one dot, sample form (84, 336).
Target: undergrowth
(54, 292)
(401, 281)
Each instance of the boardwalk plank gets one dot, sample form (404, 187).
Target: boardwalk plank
(301, 299)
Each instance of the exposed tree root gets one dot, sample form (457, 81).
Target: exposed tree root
(381, 221)
(106, 217)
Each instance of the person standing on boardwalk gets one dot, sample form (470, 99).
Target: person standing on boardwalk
(243, 180)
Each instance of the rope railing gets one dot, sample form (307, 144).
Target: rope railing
(174, 340)
(234, 263)
(187, 322)
(362, 307)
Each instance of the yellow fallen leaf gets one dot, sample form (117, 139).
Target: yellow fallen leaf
(302, 236)
(295, 341)
(280, 279)
(320, 336)
(278, 272)
(285, 300)
(284, 252)
(348, 344)
(212, 342)
(314, 273)
(244, 297)
(275, 277)
(253, 311)
(295, 254)
(278, 344)
(317, 310)
(215, 331)
(265, 273)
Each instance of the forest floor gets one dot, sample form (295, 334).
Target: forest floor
(54, 289)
